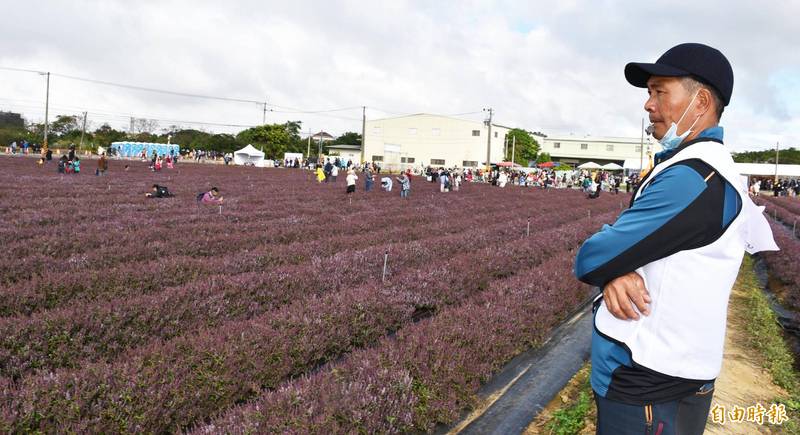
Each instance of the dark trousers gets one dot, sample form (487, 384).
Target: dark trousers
(685, 416)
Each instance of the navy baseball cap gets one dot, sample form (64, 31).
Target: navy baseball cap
(706, 64)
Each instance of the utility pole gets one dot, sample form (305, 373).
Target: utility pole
(264, 113)
(513, 149)
(46, 112)
(83, 130)
(505, 148)
(777, 147)
(131, 130)
(363, 132)
(319, 148)
(489, 139)
(308, 147)
(641, 150)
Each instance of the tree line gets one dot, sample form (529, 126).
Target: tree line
(789, 156)
(66, 130)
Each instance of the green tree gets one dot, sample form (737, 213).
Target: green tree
(789, 156)
(525, 149)
(543, 157)
(104, 135)
(274, 139)
(64, 124)
(348, 138)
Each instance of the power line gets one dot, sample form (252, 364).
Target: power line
(181, 94)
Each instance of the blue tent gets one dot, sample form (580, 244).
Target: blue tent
(134, 149)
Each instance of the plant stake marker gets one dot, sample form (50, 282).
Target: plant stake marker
(385, 261)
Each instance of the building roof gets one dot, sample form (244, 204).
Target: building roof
(589, 138)
(344, 147)
(436, 116)
(768, 169)
(322, 135)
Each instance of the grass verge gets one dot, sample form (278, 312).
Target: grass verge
(765, 336)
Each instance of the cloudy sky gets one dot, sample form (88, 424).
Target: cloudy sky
(555, 67)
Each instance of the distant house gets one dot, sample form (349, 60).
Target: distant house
(323, 136)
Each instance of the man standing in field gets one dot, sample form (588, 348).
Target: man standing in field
(667, 265)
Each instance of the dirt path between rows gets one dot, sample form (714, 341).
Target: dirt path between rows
(743, 382)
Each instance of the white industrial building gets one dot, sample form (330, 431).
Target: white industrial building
(575, 150)
(350, 153)
(431, 140)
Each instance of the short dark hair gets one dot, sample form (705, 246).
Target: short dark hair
(214, 189)
(694, 84)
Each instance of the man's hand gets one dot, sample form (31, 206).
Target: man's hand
(620, 292)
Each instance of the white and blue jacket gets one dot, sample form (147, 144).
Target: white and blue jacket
(685, 234)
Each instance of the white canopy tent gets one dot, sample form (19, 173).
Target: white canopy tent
(768, 169)
(611, 167)
(636, 164)
(249, 155)
(589, 165)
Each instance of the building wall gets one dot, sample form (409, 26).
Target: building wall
(575, 149)
(345, 154)
(423, 140)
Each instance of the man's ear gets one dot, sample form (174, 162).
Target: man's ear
(705, 101)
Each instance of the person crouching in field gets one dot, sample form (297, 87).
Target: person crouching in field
(159, 192)
(351, 181)
(210, 197)
(320, 174)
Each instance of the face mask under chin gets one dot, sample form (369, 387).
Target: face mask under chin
(671, 139)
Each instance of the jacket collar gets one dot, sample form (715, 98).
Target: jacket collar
(712, 134)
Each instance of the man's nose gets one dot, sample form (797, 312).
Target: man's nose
(650, 104)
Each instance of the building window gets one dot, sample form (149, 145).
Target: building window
(406, 160)
(436, 132)
(638, 149)
(469, 163)
(376, 131)
(410, 160)
(609, 147)
(556, 145)
(476, 132)
(584, 146)
(412, 131)
(377, 158)
(437, 161)
(495, 134)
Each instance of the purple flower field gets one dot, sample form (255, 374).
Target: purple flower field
(120, 313)
(784, 214)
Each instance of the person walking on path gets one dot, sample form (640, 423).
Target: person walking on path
(351, 181)
(667, 265)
